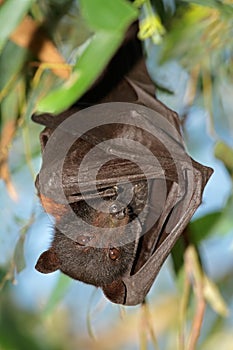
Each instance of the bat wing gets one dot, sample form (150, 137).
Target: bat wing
(138, 285)
(112, 153)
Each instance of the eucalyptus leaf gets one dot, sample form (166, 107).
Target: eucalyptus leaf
(84, 74)
(57, 294)
(215, 223)
(177, 255)
(108, 15)
(11, 104)
(12, 60)
(207, 34)
(11, 13)
(203, 227)
(226, 9)
(196, 231)
(225, 154)
(19, 254)
(97, 54)
(214, 298)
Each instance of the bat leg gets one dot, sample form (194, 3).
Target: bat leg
(138, 285)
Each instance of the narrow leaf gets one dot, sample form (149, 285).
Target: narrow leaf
(19, 254)
(11, 13)
(108, 15)
(57, 294)
(223, 152)
(84, 74)
(214, 298)
(109, 20)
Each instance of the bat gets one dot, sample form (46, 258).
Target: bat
(117, 180)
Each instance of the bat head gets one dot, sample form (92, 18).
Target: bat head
(89, 253)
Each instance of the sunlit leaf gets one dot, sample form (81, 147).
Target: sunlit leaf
(102, 46)
(177, 255)
(225, 154)
(10, 17)
(223, 6)
(224, 225)
(215, 223)
(85, 72)
(7, 275)
(29, 35)
(7, 134)
(203, 227)
(214, 298)
(57, 294)
(197, 230)
(108, 15)
(10, 67)
(217, 339)
(206, 32)
(19, 254)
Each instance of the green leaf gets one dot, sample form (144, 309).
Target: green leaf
(100, 49)
(19, 254)
(10, 106)
(177, 255)
(216, 223)
(226, 9)
(10, 67)
(18, 258)
(203, 227)
(196, 231)
(108, 15)
(84, 74)
(224, 225)
(208, 33)
(11, 13)
(223, 152)
(58, 293)
(214, 298)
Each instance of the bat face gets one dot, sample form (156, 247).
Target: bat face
(82, 254)
(118, 181)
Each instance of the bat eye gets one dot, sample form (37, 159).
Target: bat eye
(114, 254)
(82, 240)
(113, 209)
(116, 209)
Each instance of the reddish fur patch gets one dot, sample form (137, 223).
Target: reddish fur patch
(57, 210)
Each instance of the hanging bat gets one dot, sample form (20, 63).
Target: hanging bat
(119, 213)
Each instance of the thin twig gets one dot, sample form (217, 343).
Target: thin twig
(183, 310)
(147, 327)
(196, 275)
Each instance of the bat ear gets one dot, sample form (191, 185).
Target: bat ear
(47, 262)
